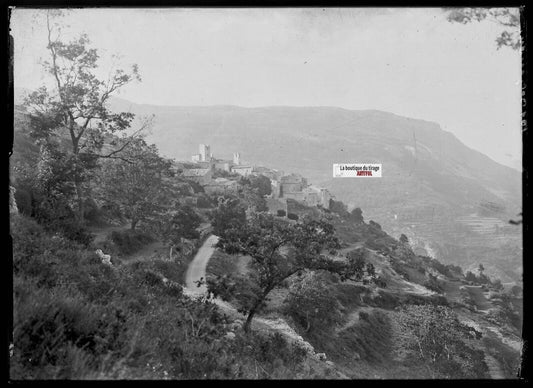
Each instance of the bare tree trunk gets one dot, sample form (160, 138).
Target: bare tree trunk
(254, 309)
(248, 322)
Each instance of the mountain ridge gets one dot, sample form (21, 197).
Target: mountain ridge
(430, 182)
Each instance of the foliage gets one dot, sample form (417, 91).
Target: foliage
(252, 199)
(180, 222)
(356, 216)
(281, 213)
(404, 239)
(278, 251)
(370, 338)
(261, 183)
(136, 183)
(75, 318)
(311, 303)
(374, 224)
(516, 291)
(72, 121)
(129, 241)
(507, 18)
(229, 213)
(433, 284)
(338, 207)
(292, 216)
(434, 335)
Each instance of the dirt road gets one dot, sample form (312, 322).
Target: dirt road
(196, 269)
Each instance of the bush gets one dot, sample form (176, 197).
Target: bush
(281, 213)
(374, 224)
(58, 329)
(370, 338)
(204, 202)
(73, 231)
(92, 212)
(292, 216)
(129, 241)
(312, 304)
(363, 315)
(81, 319)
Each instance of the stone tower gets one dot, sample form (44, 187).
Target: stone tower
(205, 152)
(236, 158)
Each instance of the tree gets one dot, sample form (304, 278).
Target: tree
(374, 224)
(312, 304)
(469, 276)
(508, 18)
(434, 335)
(338, 207)
(252, 199)
(292, 216)
(404, 239)
(262, 184)
(357, 215)
(481, 269)
(75, 110)
(136, 183)
(229, 213)
(179, 223)
(278, 250)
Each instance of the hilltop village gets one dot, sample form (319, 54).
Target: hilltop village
(220, 176)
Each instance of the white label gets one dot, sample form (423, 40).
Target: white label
(357, 170)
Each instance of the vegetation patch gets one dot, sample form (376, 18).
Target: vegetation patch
(222, 264)
(129, 241)
(370, 338)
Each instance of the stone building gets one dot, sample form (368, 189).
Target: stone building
(292, 185)
(242, 170)
(204, 154)
(314, 196)
(224, 165)
(221, 186)
(202, 176)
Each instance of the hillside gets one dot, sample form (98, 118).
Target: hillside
(434, 189)
(78, 317)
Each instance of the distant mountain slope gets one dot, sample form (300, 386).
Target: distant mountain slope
(310, 140)
(431, 181)
(434, 188)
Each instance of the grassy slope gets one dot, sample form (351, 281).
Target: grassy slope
(75, 318)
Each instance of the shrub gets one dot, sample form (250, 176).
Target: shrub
(311, 303)
(75, 232)
(374, 224)
(281, 213)
(204, 202)
(292, 216)
(370, 338)
(363, 315)
(86, 320)
(129, 241)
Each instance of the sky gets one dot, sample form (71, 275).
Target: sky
(408, 61)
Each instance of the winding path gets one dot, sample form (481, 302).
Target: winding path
(196, 269)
